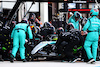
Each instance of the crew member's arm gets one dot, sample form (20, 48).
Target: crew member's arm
(86, 25)
(29, 32)
(85, 28)
(12, 33)
(99, 32)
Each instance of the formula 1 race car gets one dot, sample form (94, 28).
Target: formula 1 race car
(49, 49)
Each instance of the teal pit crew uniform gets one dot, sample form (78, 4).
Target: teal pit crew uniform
(19, 35)
(93, 27)
(73, 20)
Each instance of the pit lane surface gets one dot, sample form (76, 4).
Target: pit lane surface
(47, 64)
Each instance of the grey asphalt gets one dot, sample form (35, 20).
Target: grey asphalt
(47, 64)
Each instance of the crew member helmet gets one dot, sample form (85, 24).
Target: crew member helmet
(47, 24)
(24, 20)
(59, 30)
(70, 26)
(94, 12)
(32, 16)
(77, 14)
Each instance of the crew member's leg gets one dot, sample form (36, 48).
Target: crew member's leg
(94, 49)
(22, 43)
(15, 45)
(87, 46)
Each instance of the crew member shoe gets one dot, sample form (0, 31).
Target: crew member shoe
(11, 58)
(24, 60)
(91, 61)
(76, 59)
